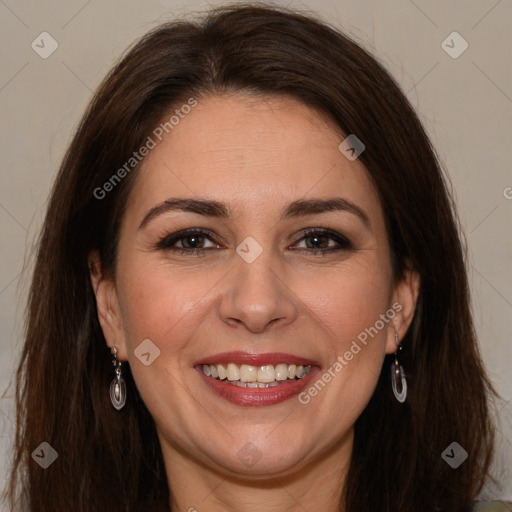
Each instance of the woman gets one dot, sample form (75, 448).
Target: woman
(250, 291)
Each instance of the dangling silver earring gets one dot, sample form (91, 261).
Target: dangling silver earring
(398, 382)
(118, 385)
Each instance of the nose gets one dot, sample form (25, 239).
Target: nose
(257, 296)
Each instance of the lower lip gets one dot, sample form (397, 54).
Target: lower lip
(257, 397)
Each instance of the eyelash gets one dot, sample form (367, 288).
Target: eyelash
(167, 242)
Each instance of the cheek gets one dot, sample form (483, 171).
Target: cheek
(157, 304)
(349, 310)
(162, 307)
(350, 299)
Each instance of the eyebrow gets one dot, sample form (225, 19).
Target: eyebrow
(217, 209)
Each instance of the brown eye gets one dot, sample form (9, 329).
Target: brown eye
(324, 241)
(187, 241)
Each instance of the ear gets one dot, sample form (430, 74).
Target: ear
(107, 304)
(404, 298)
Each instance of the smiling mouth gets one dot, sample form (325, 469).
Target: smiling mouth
(249, 376)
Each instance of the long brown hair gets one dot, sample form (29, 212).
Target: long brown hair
(111, 460)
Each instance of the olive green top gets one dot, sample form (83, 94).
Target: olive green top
(492, 506)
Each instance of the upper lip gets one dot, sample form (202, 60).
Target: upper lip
(252, 359)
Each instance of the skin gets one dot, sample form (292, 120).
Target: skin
(257, 155)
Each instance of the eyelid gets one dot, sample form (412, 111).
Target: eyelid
(342, 241)
(167, 241)
(323, 231)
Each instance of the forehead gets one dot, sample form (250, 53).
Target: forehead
(264, 150)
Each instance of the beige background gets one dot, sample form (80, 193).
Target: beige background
(465, 104)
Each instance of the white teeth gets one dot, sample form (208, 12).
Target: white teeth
(266, 373)
(248, 373)
(241, 384)
(233, 372)
(281, 371)
(256, 376)
(223, 373)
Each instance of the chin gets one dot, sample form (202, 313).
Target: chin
(262, 457)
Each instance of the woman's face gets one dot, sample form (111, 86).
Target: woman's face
(246, 287)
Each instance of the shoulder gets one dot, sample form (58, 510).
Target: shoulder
(492, 506)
